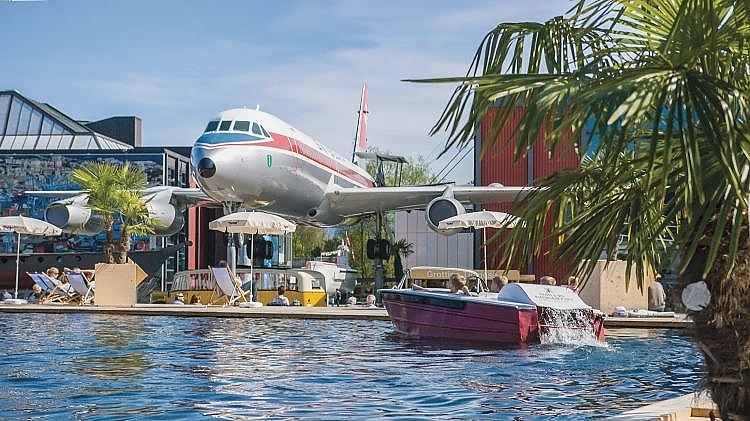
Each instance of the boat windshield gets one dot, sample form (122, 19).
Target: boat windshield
(437, 277)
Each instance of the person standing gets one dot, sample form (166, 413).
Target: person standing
(657, 298)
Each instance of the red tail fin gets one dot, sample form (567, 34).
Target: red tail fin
(360, 138)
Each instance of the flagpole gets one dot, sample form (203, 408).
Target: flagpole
(18, 257)
(484, 238)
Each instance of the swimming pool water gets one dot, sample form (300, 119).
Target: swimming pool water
(108, 367)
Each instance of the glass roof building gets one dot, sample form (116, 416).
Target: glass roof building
(40, 146)
(26, 124)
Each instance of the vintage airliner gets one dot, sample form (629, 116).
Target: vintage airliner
(253, 159)
(250, 159)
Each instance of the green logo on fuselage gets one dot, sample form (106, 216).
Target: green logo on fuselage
(269, 160)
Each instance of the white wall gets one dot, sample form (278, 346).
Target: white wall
(431, 248)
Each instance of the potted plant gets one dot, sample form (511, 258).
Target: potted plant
(114, 194)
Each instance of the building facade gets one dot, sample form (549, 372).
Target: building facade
(40, 146)
(499, 165)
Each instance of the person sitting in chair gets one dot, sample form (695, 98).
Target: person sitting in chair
(37, 295)
(281, 299)
(457, 284)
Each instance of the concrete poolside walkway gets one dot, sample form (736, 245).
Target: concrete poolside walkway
(680, 321)
(352, 313)
(691, 407)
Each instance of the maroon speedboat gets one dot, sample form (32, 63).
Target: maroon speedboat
(519, 314)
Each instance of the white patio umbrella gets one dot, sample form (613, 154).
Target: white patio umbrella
(28, 226)
(252, 223)
(483, 219)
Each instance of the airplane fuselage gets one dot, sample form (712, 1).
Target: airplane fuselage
(253, 158)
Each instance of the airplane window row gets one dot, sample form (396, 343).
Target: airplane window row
(240, 126)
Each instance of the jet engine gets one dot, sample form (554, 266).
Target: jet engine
(441, 208)
(78, 219)
(74, 218)
(169, 219)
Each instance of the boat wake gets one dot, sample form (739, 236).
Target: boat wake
(568, 327)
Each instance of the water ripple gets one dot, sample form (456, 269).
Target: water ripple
(107, 367)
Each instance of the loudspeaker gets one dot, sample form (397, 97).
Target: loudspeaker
(377, 249)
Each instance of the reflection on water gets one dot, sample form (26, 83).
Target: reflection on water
(115, 367)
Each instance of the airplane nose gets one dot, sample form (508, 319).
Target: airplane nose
(206, 168)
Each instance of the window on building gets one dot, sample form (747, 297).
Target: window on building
(35, 125)
(15, 112)
(24, 119)
(4, 102)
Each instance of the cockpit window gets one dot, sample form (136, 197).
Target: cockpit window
(242, 126)
(265, 132)
(256, 129)
(225, 125)
(212, 125)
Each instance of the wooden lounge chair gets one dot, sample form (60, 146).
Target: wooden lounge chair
(56, 291)
(227, 285)
(82, 286)
(46, 286)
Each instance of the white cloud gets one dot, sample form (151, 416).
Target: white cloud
(304, 61)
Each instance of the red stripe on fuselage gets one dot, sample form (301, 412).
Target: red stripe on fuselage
(300, 148)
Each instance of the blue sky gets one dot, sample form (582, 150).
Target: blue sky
(176, 64)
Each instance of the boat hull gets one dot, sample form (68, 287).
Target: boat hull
(150, 261)
(460, 318)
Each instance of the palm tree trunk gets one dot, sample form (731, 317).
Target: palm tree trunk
(109, 246)
(722, 330)
(124, 245)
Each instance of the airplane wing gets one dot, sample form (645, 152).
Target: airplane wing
(359, 202)
(185, 196)
(182, 196)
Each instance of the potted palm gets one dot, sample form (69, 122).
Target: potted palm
(114, 195)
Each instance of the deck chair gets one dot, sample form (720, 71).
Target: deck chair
(45, 285)
(227, 285)
(56, 291)
(82, 287)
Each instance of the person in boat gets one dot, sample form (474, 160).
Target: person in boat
(352, 301)
(457, 284)
(195, 299)
(5, 295)
(548, 280)
(573, 284)
(371, 301)
(498, 282)
(179, 299)
(280, 299)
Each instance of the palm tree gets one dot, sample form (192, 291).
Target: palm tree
(402, 250)
(113, 191)
(658, 91)
(136, 220)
